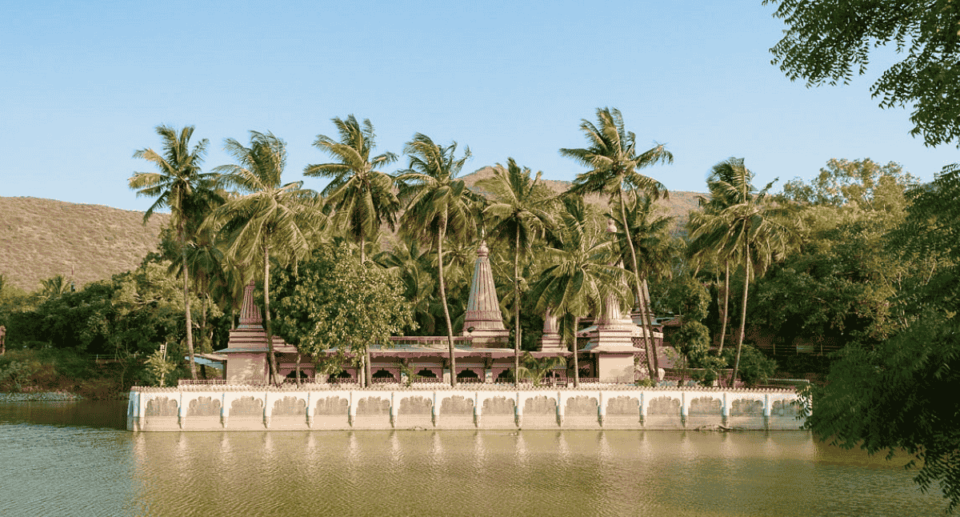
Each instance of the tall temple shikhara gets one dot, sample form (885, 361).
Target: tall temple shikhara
(484, 351)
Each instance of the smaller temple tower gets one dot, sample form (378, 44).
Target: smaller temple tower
(483, 320)
(247, 348)
(550, 339)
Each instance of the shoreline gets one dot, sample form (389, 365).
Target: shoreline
(40, 396)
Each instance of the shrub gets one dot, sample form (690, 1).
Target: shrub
(755, 367)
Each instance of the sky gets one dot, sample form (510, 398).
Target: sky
(83, 85)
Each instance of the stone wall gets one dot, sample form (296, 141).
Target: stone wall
(240, 408)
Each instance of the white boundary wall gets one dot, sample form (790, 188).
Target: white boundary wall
(332, 408)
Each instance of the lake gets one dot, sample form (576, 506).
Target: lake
(68, 458)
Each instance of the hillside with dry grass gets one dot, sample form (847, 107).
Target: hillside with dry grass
(40, 238)
(678, 204)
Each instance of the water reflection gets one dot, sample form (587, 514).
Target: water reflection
(85, 469)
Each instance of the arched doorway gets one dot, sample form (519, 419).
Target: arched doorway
(383, 376)
(468, 376)
(505, 377)
(303, 376)
(426, 375)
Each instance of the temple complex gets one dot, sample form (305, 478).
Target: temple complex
(484, 351)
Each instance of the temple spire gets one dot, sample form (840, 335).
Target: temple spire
(483, 320)
(249, 312)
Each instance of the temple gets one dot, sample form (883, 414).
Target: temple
(608, 349)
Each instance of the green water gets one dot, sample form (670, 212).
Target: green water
(76, 459)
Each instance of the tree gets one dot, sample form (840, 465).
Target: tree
(653, 245)
(614, 161)
(889, 396)
(579, 276)
(361, 196)
(520, 210)
(538, 369)
(416, 273)
(334, 300)
(271, 219)
(178, 182)
(827, 40)
(54, 287)
(437, 202)
(748, 228)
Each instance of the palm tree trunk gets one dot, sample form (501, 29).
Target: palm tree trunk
(516, 308)
(743, 318)
(443, 299)
(576, 364)
(647, 331)
(726, 305)
(363, 253)
(298, 368)
(653, 341)
(186, 305)
(367, 367)
(266, 313)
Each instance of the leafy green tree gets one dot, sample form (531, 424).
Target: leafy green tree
(178, 182)
(578, 277)
(896, 388)
(437, 203)
(271, 219)
(867, 184)
(613, 159)
(361, 196)
(520, 210)
(334, 300)
(827, 40)
(752, 229)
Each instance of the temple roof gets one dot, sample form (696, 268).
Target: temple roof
(483, 308)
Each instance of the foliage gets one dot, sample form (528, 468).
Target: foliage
(15, 374)
(748, 226)
(826, 40)
(755, 367)
(360, 196)
(336, 302)
(896, 397)
(520, 210)
(537, 369)
(158, 366)
(891, 395)
(437, 203)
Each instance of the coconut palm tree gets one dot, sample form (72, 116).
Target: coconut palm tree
(579, 276)
(520, 210)
(272, 220)
(613, 159)
(416, 272)
(437, 203)
(54, 287)
(650, 236)
(361, 196)
(708, 246)
(749, 227)
(177, 184)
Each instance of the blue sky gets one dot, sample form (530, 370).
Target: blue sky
(85, 83)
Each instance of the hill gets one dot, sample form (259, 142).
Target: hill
(678, 205)
(40, 238)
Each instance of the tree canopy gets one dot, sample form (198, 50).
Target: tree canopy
(827, 41)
